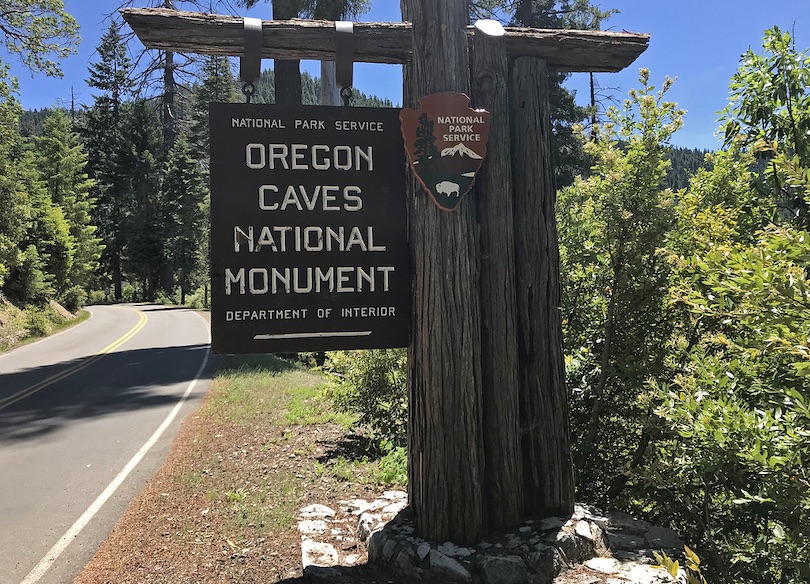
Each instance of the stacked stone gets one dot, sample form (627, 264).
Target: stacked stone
(587, 548)
(332, 539)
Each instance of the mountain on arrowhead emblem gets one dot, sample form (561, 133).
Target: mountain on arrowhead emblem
(446, 143)
(461, 150)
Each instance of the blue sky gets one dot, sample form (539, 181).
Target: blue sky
(697, 41)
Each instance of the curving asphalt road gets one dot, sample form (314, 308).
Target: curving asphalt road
(86, 418)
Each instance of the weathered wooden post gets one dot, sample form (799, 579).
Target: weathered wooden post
(545, 441)
(503, 493)
(445, 448)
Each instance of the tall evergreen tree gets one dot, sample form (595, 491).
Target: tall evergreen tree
(61, 161)
(218, 85)
(14, 209)
(139, 161)
(48, 248)
(185, 195)
(102, 133)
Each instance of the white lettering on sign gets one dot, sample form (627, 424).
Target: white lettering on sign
(320, 197)
(368, 311)
(460, 120)
(358, 126)
(283, 238)
(461, 137)
(309, 156)
(309, 124)
(275, 314)
(258, 281)
(263, 123)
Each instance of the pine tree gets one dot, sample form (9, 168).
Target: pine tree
(425, 147)
(61, 161)
(185, 194)
(102, 134)
(14, 208)
(112, 74)
(218, 85)
(48, 248)
(139, 168)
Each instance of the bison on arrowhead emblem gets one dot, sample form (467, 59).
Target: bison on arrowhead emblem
(446, 142)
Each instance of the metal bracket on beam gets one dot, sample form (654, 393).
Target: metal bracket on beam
(344, 62)
(250, 64)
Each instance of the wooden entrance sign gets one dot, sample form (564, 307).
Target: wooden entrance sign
(308, 230)
(488, 428)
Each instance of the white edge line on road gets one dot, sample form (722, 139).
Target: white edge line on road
(61, 545)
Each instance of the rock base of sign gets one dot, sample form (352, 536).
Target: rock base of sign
(588, 547)
(331, 539)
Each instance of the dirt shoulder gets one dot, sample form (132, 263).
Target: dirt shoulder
(224, 506)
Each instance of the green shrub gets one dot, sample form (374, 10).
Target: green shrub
(98, 297)
(392, 468)
(37, 323)
(373, 385)
(165, 298)
(199, 300)
(74, 298)
(28, 281)
(130, 293)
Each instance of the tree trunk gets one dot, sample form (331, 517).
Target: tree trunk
(287, 73)
(330, 94)
(524, 13)
(169, 113)
(118, 288)
(546, 445)
(331, 11)
(169, 107)
(503, 494)
(445, 452)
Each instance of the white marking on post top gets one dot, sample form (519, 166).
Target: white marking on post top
(490, 27)
(312, 335)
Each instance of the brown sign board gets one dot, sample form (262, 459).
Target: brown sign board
(446, 142)
(309, 244)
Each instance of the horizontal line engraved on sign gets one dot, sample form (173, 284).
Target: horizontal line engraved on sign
(312, 335)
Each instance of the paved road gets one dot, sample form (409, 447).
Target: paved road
(80, 430)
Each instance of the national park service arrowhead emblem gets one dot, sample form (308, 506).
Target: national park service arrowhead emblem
(446, 142)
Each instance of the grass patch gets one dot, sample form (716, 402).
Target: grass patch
(371, 466)
(308, 405)
(272, 505)
(253, 388)
(21, 326)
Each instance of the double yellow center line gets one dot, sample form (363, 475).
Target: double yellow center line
(24, 393)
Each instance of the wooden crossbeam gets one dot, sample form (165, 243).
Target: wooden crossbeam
(375, 42)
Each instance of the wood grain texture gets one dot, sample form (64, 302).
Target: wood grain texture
(503, 493)
(547, 470)
(445, 477)
(375, 42)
